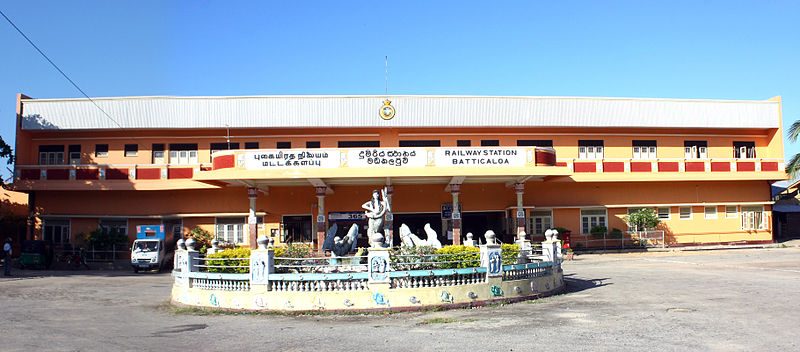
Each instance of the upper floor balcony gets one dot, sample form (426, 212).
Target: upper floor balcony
(404, 164)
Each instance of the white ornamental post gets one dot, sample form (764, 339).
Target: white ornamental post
(492, 256)
(262, 264)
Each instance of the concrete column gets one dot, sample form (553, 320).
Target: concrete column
(519, 188)
(492, 256)
(252, 221)
(320, 217)
(456, 216)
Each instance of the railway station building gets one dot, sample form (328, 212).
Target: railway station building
(290, 167)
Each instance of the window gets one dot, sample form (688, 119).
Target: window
(490, 143)
(250, 145)
(591, 218)
(711, 212)
(296, 229)
(51, 154)
(75, 154)
(230, 230)
(101, 150)
(695, 149)
(215, 147)
(120, 226)
(644, 149)
(284, 145)
(744, 150)
(312, 144)
(663, 213)
(131, 150)
(686, 213)
(534, 143)
(56, 231)
(731, 211)
(753, 217)
(359, 144)
(421, 143)
(590, 149)
(158, 154)
(183, 154)
(463, 143)
(541, 221)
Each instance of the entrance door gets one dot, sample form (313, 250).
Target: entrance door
(480, 222)
(173, 230)
(297, 229)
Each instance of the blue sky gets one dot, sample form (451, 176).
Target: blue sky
(680, 49)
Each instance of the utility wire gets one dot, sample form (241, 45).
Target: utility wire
(59, 70)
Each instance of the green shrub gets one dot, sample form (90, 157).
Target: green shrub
(510, 253)
(598, 231)
(413, 258)
(100, 239)
(466, 257)
(615, 233)
(642, 219)
(241, 264)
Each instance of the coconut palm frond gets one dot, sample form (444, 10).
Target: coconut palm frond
(794, 131)
(793, 166)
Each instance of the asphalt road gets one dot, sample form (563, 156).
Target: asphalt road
(735, 300)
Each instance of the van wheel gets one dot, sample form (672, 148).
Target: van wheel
(136, 270)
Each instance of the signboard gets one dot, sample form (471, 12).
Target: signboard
(387, 157)
(485, 157)
(447, 211)
(291, 158)
(347, 216)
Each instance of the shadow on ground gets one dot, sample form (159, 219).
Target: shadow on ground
(575, 284)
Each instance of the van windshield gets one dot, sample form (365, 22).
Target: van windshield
(145, 246)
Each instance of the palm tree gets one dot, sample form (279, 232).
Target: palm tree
(793, 166)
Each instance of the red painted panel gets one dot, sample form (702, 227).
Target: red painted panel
(87, 174)
(117, 174)
(224, 162)
(561, 163)
(616, 166)
(695, 166)
(668, 166)
(585, 167)
(721, 166)
(746, 166)
(545, 157)
(29, 174)
(148, 174)
(58, 174)
(769, 166)
(184, 172)
(641, 167)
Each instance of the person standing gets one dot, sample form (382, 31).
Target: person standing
(7, 256)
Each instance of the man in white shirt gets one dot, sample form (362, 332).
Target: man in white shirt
(7, 256)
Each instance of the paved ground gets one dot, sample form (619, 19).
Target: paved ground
(735, 300)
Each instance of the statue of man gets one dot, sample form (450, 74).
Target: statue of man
(375, 210)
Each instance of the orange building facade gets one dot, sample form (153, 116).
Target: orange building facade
(290, 167)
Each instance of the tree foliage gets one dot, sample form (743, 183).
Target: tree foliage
(643, 219)
(793, 166)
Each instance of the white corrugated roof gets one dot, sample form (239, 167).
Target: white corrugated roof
(412, 111)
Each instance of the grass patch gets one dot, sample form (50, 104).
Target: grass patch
(442, 320)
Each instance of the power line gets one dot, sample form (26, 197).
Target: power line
(59, 70)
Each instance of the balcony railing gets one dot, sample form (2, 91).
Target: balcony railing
(107, 172)
(672, 165)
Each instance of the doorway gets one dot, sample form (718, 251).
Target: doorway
(480, 222)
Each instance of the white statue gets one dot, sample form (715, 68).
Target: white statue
(409, 239)
(375, 210)
(433, 238)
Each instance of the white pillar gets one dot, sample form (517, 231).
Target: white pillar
(252, 221)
